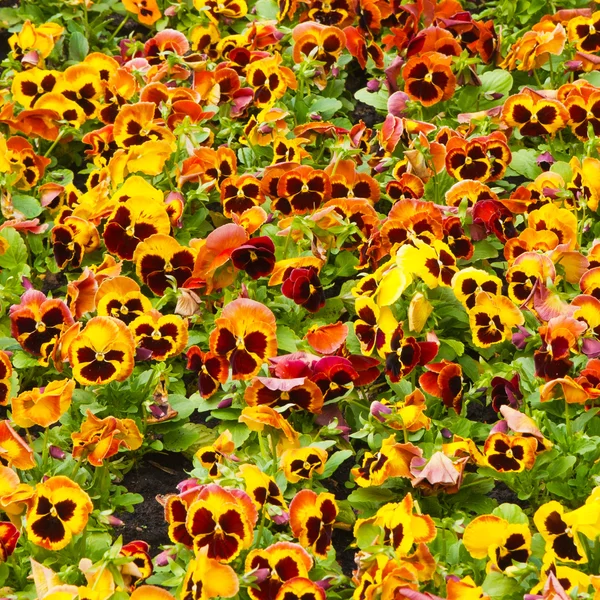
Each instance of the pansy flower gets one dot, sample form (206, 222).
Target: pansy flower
(99, 439)
(301, 463)
(392, 460)
(492, 319)
(59, 511)
(303, 286)
(454, 236)
(102, 352)
(43, 406)
(508, 454)
(405, 353)
(205, 578)
(14, 451)
(37, 322)
(135, 125)
(238, 194)
(262, 489)
(282, 561)
(257, 418)
(6, 372)
(120, 297)
(501, 541)
(428, 79)
(300, 392)
(132, 222)
(374, 325)
(161, 262)
(140, 567)
(159, 336)
(256, 257)
(26, 164)
(444, 380)
(212, 370)
(245, 335)
(147, 11)
(534, 115)
(560, 531)
(469, 282)
(9, 536)
(300, 588)
(334, 375)
(269, 79)
(81, 84)
(221, 521)
(39, 39)
(323, 43)
(71, 239)
(584, 32)
(312, 517)
(211, 456)
(304, 189)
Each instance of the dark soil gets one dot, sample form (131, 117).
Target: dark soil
(344, 554)
(503, 494)
(155, 474)
(356, 80)
(482, 413)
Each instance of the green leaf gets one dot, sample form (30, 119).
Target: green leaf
(326, 107)
(560, 488)
(524, 163)
(334, 461)
(267, 9)
(370, 497)
(497, 585)
(96, 544)
(184, 406)
(183, 437)
(483, 250)
(511, 513)
(497, 81)
(22, 360)
(377, 100)
(457, 347)
(559, 467)
(286, 339)
(367, 534)
(78, 47)
(15, 256)
(28, 205)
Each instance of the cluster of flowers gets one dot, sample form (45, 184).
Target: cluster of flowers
(197, 218)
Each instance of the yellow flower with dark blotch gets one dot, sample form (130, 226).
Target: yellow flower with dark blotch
(374, 325)
(245, 334)
(162, 262)
(120, 297)
(507, 454)
(132, 222)
(135, 125)
(210, 457)
(528, 270)
(27, 166)
(38, 40)
(502, 542)
(159, 336)
(37, 322)
(560, 530)
(312, 517)
(206, 578)
(561, 221)
(392, 460)
(534, 115)
(99, 439)
(282, 561)
(400, 527)
(29, 86)
(257, 418)
(584, 32)
(82, 84)
(433, 262)
(300, 588)
(232, 9)
(269, 80)
(221, 522)
(469, 282)
(262, 489)
(43, 406)
(59, 511)
(102, 352)
(147, 11)
(239, 194)
(72, 239)
(492, 319)
(296, 393)
(6, 372)
(302, 463)
(66, 109)
(14, 451)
